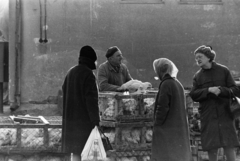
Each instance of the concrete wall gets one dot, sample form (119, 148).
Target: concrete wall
(143, 32)
(4, 17)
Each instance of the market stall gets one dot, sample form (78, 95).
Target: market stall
(127, 119)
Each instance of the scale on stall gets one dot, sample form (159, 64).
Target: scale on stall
(27, 119)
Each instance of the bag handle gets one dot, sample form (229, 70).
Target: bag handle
(231, 93)
(101, 132)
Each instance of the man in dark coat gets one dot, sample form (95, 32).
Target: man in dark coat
(80, 102)
(113, 73)
(211, 88)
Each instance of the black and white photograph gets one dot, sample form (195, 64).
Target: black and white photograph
(119, 80)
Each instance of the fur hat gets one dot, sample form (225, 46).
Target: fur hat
(88, 52)
(207, 51)
(88, 57)
(111, 51)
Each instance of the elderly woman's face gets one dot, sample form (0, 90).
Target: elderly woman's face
(161, 70)
(159, 74)
(201, 59)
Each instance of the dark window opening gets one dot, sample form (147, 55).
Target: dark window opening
(203, 2)
(142, 1)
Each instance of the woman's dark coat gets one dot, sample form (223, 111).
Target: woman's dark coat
(171, 140)
(80, 108)
(217, 125)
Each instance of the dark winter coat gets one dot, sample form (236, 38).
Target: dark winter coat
(109, 79)
(171, 140)
(217, 125)
(80, 108)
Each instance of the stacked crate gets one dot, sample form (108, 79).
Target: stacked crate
(30, 137)
(127, 121)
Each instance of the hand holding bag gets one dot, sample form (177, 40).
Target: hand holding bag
(106, 143)
(234, 105)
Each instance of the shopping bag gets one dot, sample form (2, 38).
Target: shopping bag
(94, 149)
(106, 143)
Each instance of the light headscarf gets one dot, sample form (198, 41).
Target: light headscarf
(163, 66)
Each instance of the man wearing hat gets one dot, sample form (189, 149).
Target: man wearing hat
(113, 73)
(80, 103)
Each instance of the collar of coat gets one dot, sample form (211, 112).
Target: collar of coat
(112, 69)
(214, 64)
(167, 76)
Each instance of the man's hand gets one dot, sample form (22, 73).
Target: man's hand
(214, 90)
(120, 89)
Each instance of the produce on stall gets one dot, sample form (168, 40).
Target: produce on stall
(136, 86)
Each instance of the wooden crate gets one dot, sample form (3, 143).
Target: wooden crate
(128, 136)
(115, 106)
(126, 108)
(30, 137)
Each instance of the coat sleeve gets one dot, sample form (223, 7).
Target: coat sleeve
(198, 94)
(102, 77)
(162, 105)
(230, 84)
(91, 96)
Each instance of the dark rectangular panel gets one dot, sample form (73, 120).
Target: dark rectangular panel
(142, 1)
(4, 55)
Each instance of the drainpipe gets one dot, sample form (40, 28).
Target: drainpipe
(17, 92)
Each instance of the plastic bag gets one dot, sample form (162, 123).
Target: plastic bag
(94, 149)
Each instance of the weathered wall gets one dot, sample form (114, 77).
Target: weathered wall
(143, 32)
(4, 17)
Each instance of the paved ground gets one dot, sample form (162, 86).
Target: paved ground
(6, 110)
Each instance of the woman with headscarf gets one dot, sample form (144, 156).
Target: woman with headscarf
(211, 88)
(171, 140)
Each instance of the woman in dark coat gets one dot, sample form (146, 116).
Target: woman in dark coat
(211, 88)
(80, 103)
(171, 140)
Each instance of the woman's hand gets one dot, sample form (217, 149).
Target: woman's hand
(214, 90)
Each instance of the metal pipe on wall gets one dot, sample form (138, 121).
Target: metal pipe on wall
(17, 91)
(40, 22)
(45, 21)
